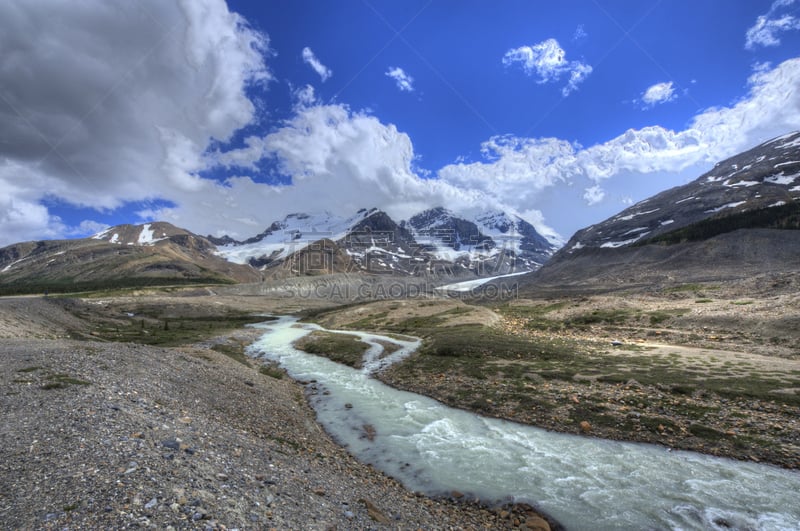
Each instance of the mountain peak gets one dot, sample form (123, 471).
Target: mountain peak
(145, 234)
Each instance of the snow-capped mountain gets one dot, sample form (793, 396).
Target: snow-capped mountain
(498, 241)
(435, 241)
(516, 233)
(765, 177)
(739, 221)
(290, 235)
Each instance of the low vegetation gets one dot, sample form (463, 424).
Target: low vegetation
(153, 324)
(779, 217)
(72, 286)
(346, 349)
(47, 379)
(541, 366)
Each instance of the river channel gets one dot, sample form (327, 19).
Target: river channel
(583, 482)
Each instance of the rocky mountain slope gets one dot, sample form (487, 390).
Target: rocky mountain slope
(436, 241)
(731, 222)
(498, 241)
(127, 255)
(767, 176)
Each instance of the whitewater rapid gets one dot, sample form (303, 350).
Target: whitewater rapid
(583, 482)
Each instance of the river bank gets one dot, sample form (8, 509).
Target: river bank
(99, 434)
(720, 376)
(584, 482)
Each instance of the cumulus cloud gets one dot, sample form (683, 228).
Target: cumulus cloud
(547, 61)
(766, 30)
(404, 82)
(111, 107)
(339, 161)
(593, 195)
(311, 60)
(658, 94)
(515, 167)
(517, 171)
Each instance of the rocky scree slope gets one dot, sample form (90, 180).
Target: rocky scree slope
(729, 223)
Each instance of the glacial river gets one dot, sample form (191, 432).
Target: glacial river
(583, 482)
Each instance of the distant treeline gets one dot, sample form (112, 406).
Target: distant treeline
(68, 286)
(779, 217)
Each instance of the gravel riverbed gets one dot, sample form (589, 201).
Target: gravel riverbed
(101, 435)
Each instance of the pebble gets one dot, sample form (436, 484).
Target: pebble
(172, 444)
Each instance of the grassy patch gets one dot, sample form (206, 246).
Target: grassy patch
(601, 316)
(535, 317)
(704, 432)
(341, 348)
(47, 379)
(235, 351)
(60, 381)
(166, 326)
(657, 317)
(419, 322)
(70, 285)
(272, 372)
(372, 322)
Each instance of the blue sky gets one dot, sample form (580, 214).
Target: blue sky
(224, 117)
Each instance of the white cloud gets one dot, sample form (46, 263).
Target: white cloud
(88, 226)
(401, 78)
(338, 161)
(311, 60)
(547, 61)
(341, 160)
(515, 167)
(580, 33)
(517, 171)
(112, 107)
(305, 96)
(593, 195)
(658, 94)
(577, 75)
(766, 30)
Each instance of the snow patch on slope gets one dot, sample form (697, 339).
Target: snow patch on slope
(723, 207)
(782, 179)
(295, 233)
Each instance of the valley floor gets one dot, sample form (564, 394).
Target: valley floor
(692, 367)
(141, 408)
(119, 434)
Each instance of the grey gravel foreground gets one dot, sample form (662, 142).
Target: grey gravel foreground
(105, 435)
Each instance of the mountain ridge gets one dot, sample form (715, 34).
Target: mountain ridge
(127, 255)
(369, 242)
(736, 221)
(756, 191)
(764, 176)
(496, 243)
